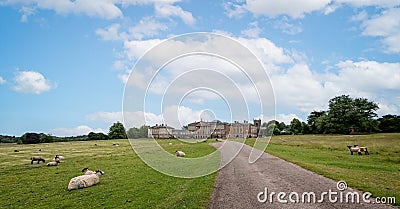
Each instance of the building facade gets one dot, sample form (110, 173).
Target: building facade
(206, 130)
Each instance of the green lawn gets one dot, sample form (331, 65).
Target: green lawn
(127, 183)
(378, 173)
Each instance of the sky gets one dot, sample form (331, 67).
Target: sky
(71, 67)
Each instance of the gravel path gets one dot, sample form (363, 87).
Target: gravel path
(239, 183)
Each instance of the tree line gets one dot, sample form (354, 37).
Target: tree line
(345, 115)
(116, 131)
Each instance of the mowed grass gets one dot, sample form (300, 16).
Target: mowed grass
(127, 183)
(378, 173)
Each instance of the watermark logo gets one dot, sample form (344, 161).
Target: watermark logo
(341, 185)
(196, 70)
(342, 196)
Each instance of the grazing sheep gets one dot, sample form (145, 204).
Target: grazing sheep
(37, 158)
(180, 153)
(85, 181)
(354, 149)
(116, 144)
(53, 163)
(362, 149)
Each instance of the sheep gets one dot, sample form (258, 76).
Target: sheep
(53, 163)
(116, 144)
(86, 171)
(58, 158)
(362, 149)
(85, 181)
(37, 158)
(180, 153)
(354, 149)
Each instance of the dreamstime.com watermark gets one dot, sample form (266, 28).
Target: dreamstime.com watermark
(341, 196)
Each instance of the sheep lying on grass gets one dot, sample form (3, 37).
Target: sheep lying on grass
(180, 153)
(58, 158)
(53, 163)
(37, 158)
(85, 181)
(86, 171)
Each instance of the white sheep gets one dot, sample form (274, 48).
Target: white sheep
(180, 153)
(84, 181)
(362, 149)
(57, 158)
(53, 163)
(86, 171)
(37, 158)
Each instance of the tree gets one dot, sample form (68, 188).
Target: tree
(314, 122)
(389, 123)
(135, 133)
(44, 138)
(295, 126)
(305, 129)
(117, 131)
(30, 138)
(97, 136)
(346, 113)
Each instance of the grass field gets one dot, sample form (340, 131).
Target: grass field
(378, 173)
(127, 183)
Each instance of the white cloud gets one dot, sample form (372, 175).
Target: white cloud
(387, 26)
(172, 116)
(2, 81)
(286, 27)
(26, 12)
(234, 10)
(31, 82)
(168, 10)
(253, 32)
(106, 9)
(76, 131)
(299, 88)
(367, 76)
(147, 27)
(271, 8)
(111, 33)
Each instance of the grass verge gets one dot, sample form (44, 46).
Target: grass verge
(378, 173)
(127, 183)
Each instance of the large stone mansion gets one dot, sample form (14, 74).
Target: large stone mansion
(205, 130)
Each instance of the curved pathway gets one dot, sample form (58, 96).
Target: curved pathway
(239, 183)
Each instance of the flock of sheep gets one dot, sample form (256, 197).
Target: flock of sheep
(89, 178)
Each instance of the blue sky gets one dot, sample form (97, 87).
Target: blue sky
(64, 64)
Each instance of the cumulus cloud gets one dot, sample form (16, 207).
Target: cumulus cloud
(387, 26)
(169, 10)
(174, 116)
(111, 33)
(253, 32)
(2, 81)
(271, 8)
(75, 131)
(147, 27)
(31, 82)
